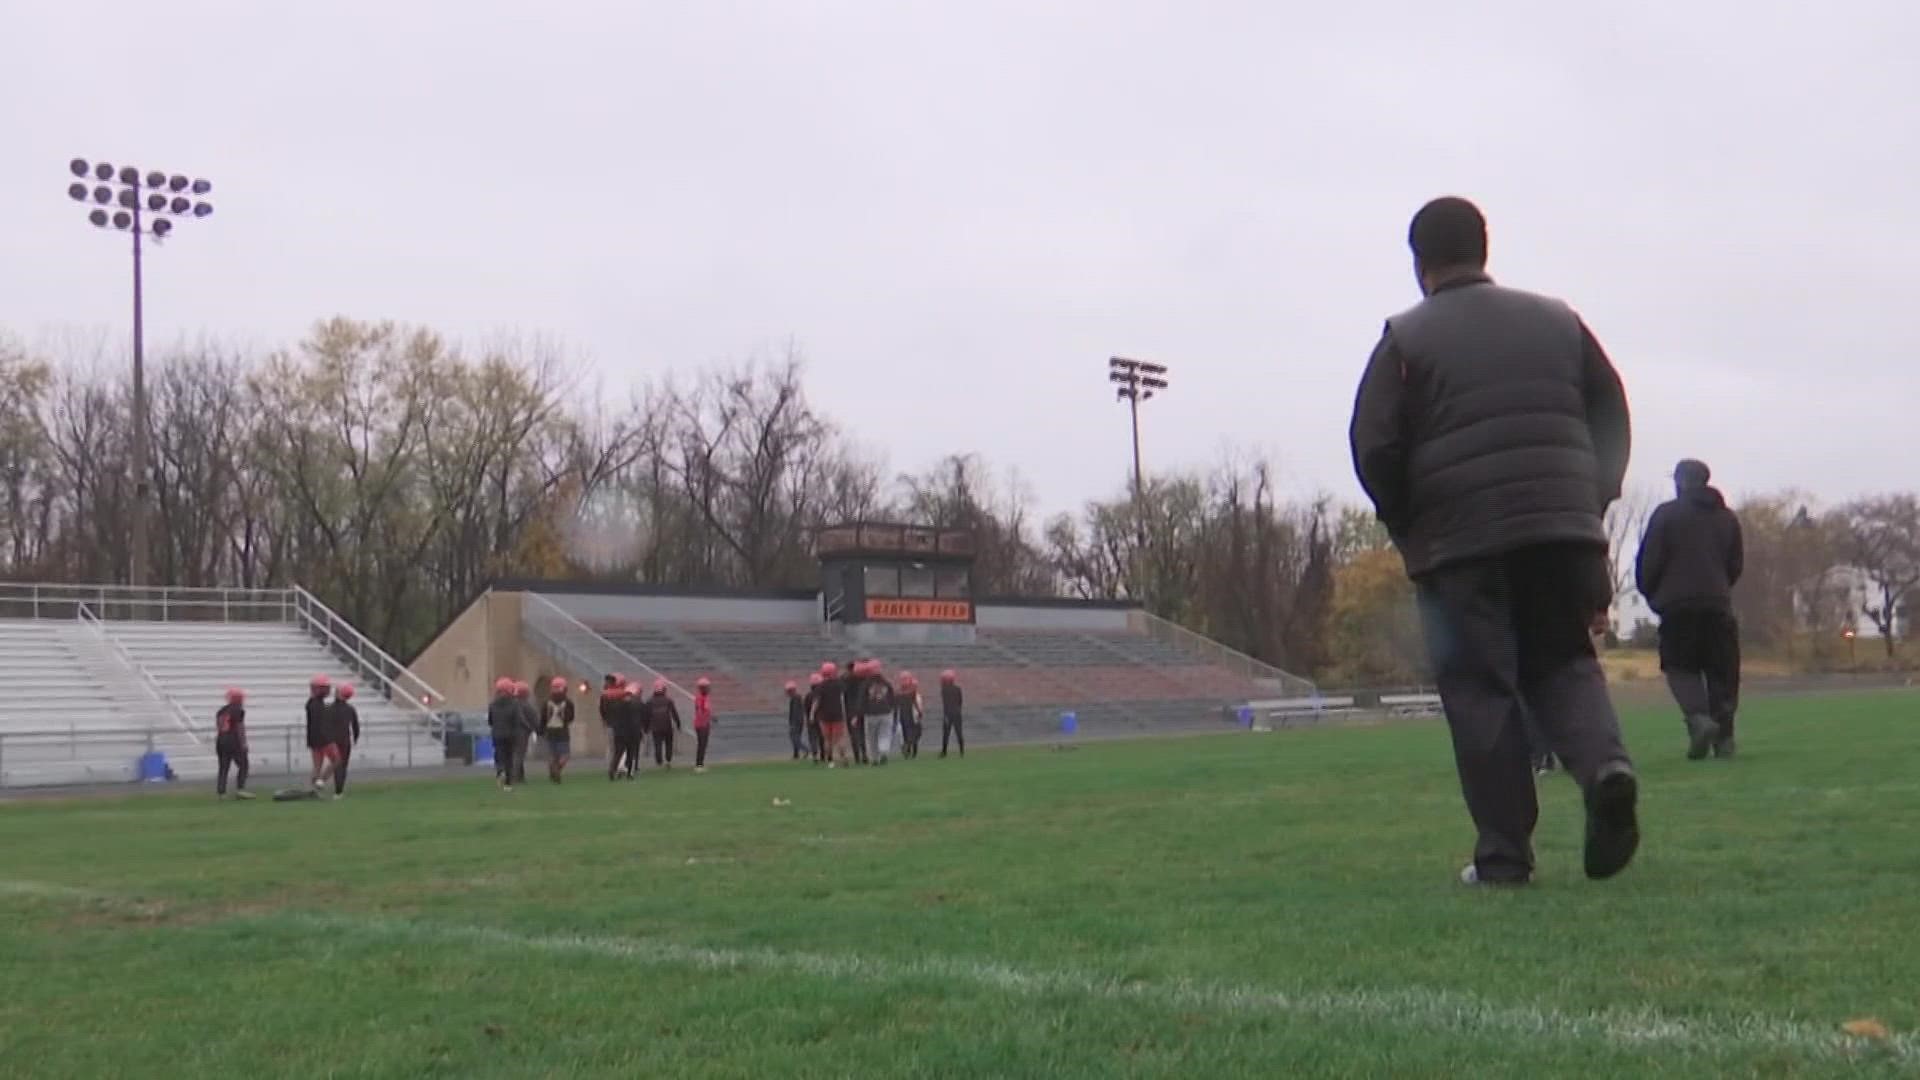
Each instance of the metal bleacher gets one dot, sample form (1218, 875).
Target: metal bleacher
(98, 677)
(1018, 683)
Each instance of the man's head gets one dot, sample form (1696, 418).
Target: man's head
(1449, 240)
(1691, 475)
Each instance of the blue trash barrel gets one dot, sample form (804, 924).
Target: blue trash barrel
(1069, 723)
(1246, 716)
(153, 767)
(483, 750)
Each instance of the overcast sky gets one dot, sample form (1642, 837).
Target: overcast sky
(960, 210)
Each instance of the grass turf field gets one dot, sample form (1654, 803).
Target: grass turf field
(1260, 905)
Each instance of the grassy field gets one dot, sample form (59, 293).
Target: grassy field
(1243, 905)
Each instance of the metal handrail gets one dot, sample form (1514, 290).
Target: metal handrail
(321, 619)
(547, 621)
(85, 616)
(55, 599)
(1180, 637)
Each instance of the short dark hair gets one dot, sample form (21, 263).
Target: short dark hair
(1449, 231)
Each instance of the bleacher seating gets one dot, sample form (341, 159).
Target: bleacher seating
(78, 710)
(1018, 683)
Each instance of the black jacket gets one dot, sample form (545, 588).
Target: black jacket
(1691, 555)
(796, 712)
(505, 718)
(319, 725)
(556, 717)
(950, 699)
(1489, 420)
(830, 702)
(343, 721)
(663, 716)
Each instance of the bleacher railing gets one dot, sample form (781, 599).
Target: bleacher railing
(407, 691)
(148, 685)
(294, 606)
(1234, 660)
(77, 755)
(584, 649)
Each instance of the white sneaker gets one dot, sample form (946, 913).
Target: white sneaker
(1470, 875)
(699, 769)
(243, 794)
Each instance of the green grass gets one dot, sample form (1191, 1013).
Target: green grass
(1244, 905)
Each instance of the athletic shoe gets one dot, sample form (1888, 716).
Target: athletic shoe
(1470, 875)
(1613, 823)
(338, 795)
(1701, 733)
(1723, 748)
(699, 770)
(249, 794)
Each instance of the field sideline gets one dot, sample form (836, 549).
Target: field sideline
(1261, 905)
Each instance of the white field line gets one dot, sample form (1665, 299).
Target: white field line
(1409, 1008)
(1402, 1008)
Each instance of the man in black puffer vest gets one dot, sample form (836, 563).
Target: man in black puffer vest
(1491, 432)
(1690, 560)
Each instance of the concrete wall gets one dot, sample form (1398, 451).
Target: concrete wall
(1049, 617)
(484, 643)
(590, 609)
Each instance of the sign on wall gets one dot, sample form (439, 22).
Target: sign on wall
(920, 610)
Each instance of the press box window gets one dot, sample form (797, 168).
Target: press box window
(916, 581)
(883, 581)
(951, 585)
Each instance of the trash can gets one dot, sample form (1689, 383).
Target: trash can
(1245, 715)
(1069, 723)
(153, 767)
(482, 753)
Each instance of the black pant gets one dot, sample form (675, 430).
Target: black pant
(340, 767)
(817, 740)
(950, 725)
(522, 740)
(663, 747)
(1700, 655)
(700, 737)
(230, 753)
(625, 752)
(1508, 637)
(857, 733)
(797, 735)
(503, 757)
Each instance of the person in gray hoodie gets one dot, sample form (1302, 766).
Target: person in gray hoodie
(1690, 559)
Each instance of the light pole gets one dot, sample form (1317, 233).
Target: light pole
(1135, 381)
(163, 200)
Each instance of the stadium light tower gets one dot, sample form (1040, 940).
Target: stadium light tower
(1135, 381)
(141, 204)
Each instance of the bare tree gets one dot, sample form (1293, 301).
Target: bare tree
(1626, 522)
(1883, 543)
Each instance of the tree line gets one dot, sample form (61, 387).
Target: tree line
(395, 472)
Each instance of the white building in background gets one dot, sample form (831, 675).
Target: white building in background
(1859, 593)
(1841, 583)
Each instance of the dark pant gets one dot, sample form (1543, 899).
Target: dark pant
(626, 752)
(797, 735)
(909, 736)
(340, 767)
(1508, 637)
(950, 725)
(662, 747)
(503, 757)
(1700, 655)
(231, 754)
(857, 732)
(521, 741)
(700, 737)
(817, 740)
